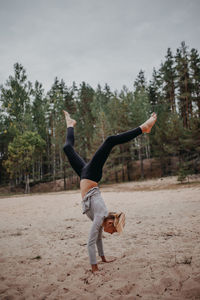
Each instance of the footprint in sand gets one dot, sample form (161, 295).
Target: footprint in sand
(62, 277)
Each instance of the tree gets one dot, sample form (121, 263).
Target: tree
(140, 110)
(195, 78)
(190, 149)
(22, 153)
(168, 75)
(86, 121)
(39, 109)
(58, 98)
(100, 111)
(140, 82)
(15, 98)
(184, 84)
(166, 140)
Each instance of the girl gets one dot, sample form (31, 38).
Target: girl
(90, 174)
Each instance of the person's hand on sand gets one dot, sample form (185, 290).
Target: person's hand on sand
(104, 260)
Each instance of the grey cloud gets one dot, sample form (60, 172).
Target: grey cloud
(90, 40)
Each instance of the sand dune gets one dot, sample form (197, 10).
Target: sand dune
(43, 252)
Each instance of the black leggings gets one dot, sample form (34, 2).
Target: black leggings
(93, 169)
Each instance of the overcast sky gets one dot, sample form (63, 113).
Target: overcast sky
(96, 41)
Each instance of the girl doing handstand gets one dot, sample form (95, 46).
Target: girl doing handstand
(90, 174)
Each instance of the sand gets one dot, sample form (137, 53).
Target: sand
(43, 252)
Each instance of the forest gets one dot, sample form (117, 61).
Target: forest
(33, 128)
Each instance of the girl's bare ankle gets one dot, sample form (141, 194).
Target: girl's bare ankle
(71, 123)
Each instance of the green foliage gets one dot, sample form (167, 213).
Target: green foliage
(184, 172)
(140, 108)
(184, 84)
(168, 78)
(22, 153)
(195, 78)
(32, 121)
(15, 99)
(39, 109)
(85, 118)
(100, 112)
(190, 147)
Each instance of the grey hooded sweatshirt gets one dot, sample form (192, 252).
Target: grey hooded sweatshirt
(94, 207)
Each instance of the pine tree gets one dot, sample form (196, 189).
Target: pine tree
(100, 112)
(58, 98)
(39, 109)
(190, 148)
(22, 153)
(15, 98)
(166, 139)
(195, 78)
(140, 109)
(154, 90)
(168, 75)
(184, 85)
(85, 120)
(15, 110)
(160, 91)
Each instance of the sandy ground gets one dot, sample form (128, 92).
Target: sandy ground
(43, 252)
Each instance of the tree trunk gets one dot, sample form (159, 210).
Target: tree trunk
(141, 158)
(27, 185)
(141, 165)
(64, 178)
(116, 176)
(54, 162)
(33, 171)
(53, 147)
(41, 169)
(123, 174)
(61, 160)
(128, 171)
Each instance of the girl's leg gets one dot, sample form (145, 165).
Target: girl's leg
(99, 158)
(95, 166)
(75, 160)
(101, 155)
